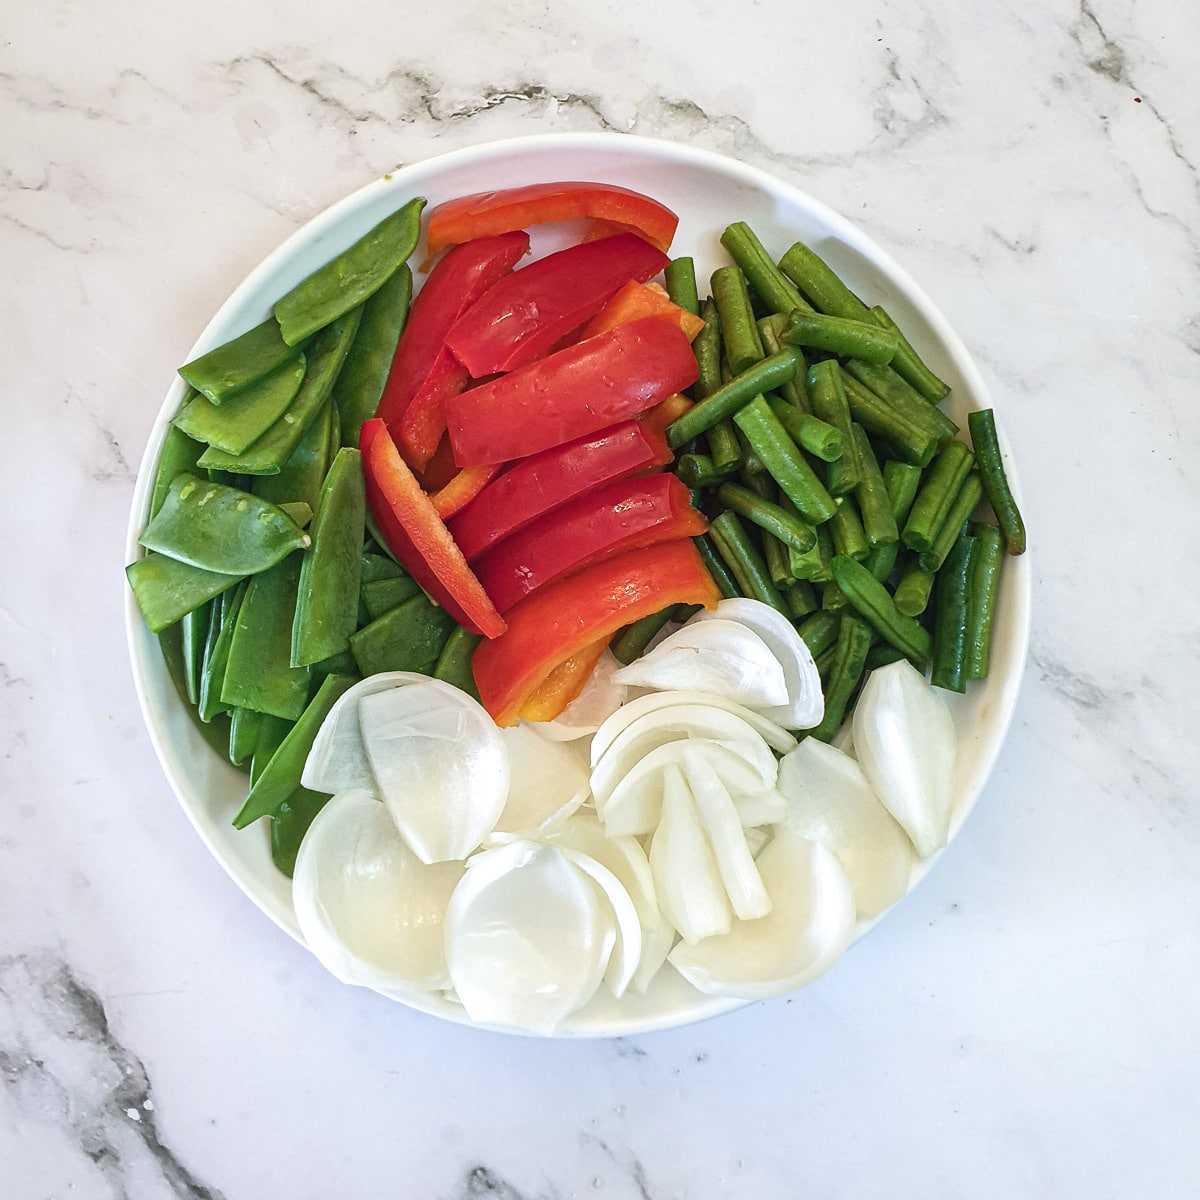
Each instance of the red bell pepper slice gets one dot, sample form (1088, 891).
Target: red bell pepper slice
(485, 213)
(416, 535)
(456, 282)
(563, 684)
(642, 300)
(536, 484)
(566, 616)
(615, 517)
(419, 430)
(462, 487)
(531, 311)
(570, 393)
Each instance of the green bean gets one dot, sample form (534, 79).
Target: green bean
(707, 348)
(910, 404)
(743, 346)
(936, 496)
(280, 777)
(360, 382)
(968, 497)
(843, 336)
(908, 363)
(829, 402)
(346, 281)
(744, 561)
(794, 393)
(913, 589)
(784, 461)
(849, 661)
(949, 667)
(846, 529)
(819, 632)
(220, 528)
(724, 448)
(225, 370)
(630, 643)
(881, 655)
(981, 598)
(776, 520)
(771, 285)
(715, 564)
(454, 662)
(327, 604)
(680, 278)
(982, 424)
(874, 503)
(902, 481)
(820, 283)
(818, 437)
(764, 376)
(698, 471)
(914, 444)
(874, 603)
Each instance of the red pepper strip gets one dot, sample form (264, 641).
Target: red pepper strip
(642, 300)
(657, 419)
(575, 391)
(536, 204)
(455, 283)
(417, 537)
(615, 517)
(536, 484)
(530, 312)
(563, 684)
(564, 617)
(462, 488)
(420, 428)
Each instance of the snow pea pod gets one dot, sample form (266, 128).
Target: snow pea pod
(327, 606)
(221, 528)
(166, 589)
(301, 476)
(241, 420)
(454, 663)
(216, 654)
(353, 276)
(244, 727)
(179, 453)
(289, 825)
(382, 595)
(236, 364)
(409, 637)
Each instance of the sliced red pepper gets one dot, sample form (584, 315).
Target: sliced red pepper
(531, 311)
(417, 537)
(570, 393)
(563, 684)
(420, 428)
(657, 419)
(642, 300)
(461, 489)
(565, 617)
(615, 517)
(486, 213)
(536, 484)
(456, 282)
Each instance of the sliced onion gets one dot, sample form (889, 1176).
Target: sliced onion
(802, 937)
(548, 780)
(601, 696)
(805, 703)
(439, 764)
(368, 908)
(627, 952)
(527, 937)
(905, 741)
(656, 945)
(831, 802)
(723, 657)
(338, 759)
(687, 879)
(767, 807)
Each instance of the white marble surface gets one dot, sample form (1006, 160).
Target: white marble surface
(1025, 1024)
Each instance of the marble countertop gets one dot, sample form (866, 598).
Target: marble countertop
(1025, 1023)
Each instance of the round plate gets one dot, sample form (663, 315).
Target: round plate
(708, 192)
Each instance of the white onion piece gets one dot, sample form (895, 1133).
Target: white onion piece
(600, 697)
(767, 807)
(687, 879)
(439, 764)
(627, 952)
(805, 933)
(635, 805)
(623, 856)
(905, 741)
(714, 805)
(805, 703)
(778, 738)
(548, 780)
(368, 909)
(656, 945)
(527, 937)
(830, 801)
(723, 657)
(338, 760)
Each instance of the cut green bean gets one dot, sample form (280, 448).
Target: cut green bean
(874, 503)
(744, 561)
(875, 604)
(968, 497)
(630, 643)
(981, 598)
(225, 370)
(770, 284)
(739, 332)
(698, 471)
(789, 528)
(846, 671)
(680, 278)
(842, 336)
(794, 393)
(908, 363)
(829, 402)
(726, 584)
(809, 432)
(801, 599)
(820, 283)
(913, 589)
(909, 403)
(937, 495)
(708, 350)
(949, 667)
(819, 632)
(902, 480)
(982, 425)
(912, 443)
(846, 529)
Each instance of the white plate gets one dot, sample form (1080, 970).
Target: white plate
(708, 192)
